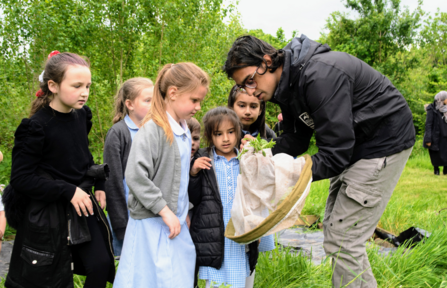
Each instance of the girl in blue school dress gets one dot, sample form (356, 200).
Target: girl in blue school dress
(212, 188)
(251, 112)
(158, 251)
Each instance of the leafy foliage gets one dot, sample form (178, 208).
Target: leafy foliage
(398, 42)
(258, 145)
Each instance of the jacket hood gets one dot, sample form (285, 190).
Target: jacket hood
(297, 53)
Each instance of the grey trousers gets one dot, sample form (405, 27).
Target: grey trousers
(357, 199)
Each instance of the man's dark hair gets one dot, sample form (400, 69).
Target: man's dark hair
(249, 51)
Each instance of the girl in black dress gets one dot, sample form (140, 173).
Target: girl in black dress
(63, 230)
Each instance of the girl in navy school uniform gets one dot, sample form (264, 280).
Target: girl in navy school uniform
(132, 103)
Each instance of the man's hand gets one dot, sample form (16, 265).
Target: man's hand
(199, 164)
(247, 138)
(101, 198)
(428, 144)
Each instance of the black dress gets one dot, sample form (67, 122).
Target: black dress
(436, 134)
(56, 143)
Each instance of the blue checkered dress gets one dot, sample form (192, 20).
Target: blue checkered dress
(235, 268)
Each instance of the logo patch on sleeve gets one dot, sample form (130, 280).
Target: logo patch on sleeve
(307, 120)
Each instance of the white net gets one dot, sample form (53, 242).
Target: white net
(262, 185)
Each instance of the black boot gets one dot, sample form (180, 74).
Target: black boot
(444, 171)
(436, 170)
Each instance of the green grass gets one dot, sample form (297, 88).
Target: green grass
(423, 266)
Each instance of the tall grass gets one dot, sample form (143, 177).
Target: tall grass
(425, 265)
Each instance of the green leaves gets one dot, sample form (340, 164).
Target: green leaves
(258, 145)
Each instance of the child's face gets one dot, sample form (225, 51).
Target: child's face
(139, 107)
(73, 91)
(224, 139)
(195, 135)
(185, 105)
(247, 108)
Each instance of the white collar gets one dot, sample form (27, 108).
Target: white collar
(176, 128)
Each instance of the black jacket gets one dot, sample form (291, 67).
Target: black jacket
(41, 255)
(355, 111)
(207, 225)
(435, 129)
(116, 152)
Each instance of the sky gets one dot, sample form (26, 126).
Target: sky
(307, 16)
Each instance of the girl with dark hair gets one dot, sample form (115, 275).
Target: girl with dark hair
(132, 103)
(212, 187)
(64, 229)
(251, 113)
(158, 251)
(435, 138)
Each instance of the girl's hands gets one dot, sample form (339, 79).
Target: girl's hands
(247, 138)
(171, 220)
(101, 198)
(199, 164)
(188, 221)
(82, 203)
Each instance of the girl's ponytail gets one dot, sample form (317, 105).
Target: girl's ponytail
(157, 112)
(120, 106)
(186, 77)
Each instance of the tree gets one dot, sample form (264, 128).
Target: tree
(434, 38)
(382, 31)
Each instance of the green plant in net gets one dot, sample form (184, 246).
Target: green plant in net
(258, 145)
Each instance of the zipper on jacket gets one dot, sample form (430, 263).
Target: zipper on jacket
(301, 66)
(69, 231)
(107, 227)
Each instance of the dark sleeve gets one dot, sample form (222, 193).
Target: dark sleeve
(99, 184)
(328, 94)
(114, 186)
(295, 137)
(428, 127)
(269, 133)
(26, 155)
(195, 187)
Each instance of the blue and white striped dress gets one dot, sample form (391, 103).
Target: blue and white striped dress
(235, 266)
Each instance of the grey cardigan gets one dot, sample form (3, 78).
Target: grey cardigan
(116, 152)
(153, 173)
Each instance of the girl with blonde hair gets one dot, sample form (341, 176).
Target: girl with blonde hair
(158, 251)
